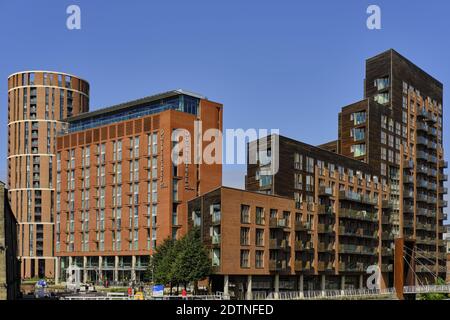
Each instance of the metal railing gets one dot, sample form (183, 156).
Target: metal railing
(331, 294)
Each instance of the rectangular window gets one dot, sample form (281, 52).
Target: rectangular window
(359, 117)
(383, 137)
(259, 259)
(298, 161)
(309, 165)
(260, 215)
(357, 134)
(259, 239)
(245, 213)
(245, 258)
(358, 150)
(298, 183)
(245, 236)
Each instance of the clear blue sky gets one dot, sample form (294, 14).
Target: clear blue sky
(273, 64)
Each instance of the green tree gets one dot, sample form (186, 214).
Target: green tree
(161, 263)
(180, 261)
(192, 262)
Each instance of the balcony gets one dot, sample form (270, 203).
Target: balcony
(443, 164)
(422, 169)
(432, 159)
(325, 191)
(407, 194)
(443, 190)
(278, 223)
(422, 155)
(323, 209)
(432, 131)
(432, 200)
(421, 112)
(408, 164)
(325, 266)
(432, 172)
(408, 179)
(422, 212)
(325, 247)
(422, 126)
(387, 251)
(277, 265)
(300, 226)
(422, 141)
(443, 177)
(324, 228)
(358, 214)
(351, 267)
(387, 267)
(302, 246)
(276, 244)
(357, 197)
(408, 208)
(387, 204)
(216, 239)
(422, 198)
(298, 266)
(216, 218)
(431, 145)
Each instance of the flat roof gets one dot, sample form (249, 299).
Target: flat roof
(412, 64)
(125, 105)
(331, 154)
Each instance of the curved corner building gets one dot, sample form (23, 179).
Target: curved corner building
(37, 102)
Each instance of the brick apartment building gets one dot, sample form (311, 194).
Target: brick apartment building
(118, 194)
(38, 101)
(383, 179)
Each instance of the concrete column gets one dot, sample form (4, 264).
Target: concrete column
(361, 281)
(342, 282)
(116, 269)
(249, 288)
(57, 268)
(277, 285)
(133, 268)
(225, 285)
(300, 283)
(85, 272)
(322, 283)
(100, 267)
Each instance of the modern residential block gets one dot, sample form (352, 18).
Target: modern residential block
(381, 180)
(397, 130)
(38, 101)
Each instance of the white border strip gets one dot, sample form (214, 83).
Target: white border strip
(45, 86)
(31, 155)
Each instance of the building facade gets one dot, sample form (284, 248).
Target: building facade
(38, 101)
(398, 131)
(346, 203)
(9, 261)
(118, 192)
